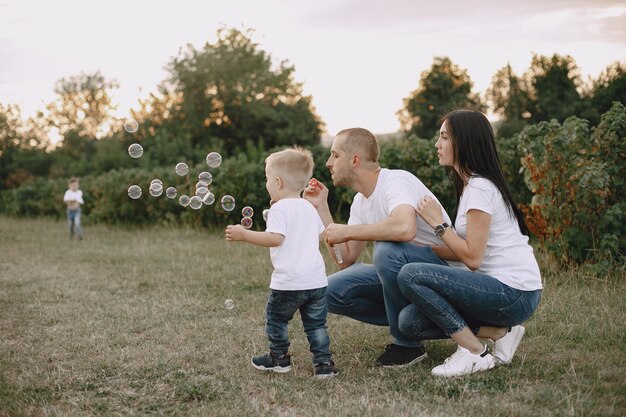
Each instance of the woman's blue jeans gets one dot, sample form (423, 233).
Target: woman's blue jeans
(372, 294)
(445, 300)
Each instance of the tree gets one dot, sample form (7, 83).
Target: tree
(82, 115)
(22, 148)
(84, 105)
(228, 93)
(509, 99)
(555, 83)
(609, 87)
(444, 87)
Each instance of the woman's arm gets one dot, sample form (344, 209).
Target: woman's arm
(470, 250)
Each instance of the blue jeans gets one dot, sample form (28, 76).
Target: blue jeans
(281, 307)
(370, 293)
(445, 300)
(73, 222)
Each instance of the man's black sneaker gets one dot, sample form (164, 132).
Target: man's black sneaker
(325, 370)
(272, 362)
(400, 356)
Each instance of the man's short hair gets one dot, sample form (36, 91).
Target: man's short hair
(361, 141)
(293, 165)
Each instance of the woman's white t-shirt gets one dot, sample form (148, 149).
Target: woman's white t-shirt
(298, 263)
(508, 256)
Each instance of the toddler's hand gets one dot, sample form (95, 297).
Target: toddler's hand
(316, 192)
(235, 232)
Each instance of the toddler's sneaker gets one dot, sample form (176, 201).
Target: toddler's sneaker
(325, 370)
(463, 362)
(505, 347)
(272, 362)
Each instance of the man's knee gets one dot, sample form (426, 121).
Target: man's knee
(385, 251)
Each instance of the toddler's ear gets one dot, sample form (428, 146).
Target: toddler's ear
(279, 182)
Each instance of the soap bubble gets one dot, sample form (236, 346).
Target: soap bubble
(214, 159)
(195, 202)
(182, 168)
(246, 222)
(201, 184)
(135, 150)
(184, 200)
(205, 177)
(134, 192)
(208, 199)
(228, 202)
(229, 304)
(247, 211)
(156, 185)
(202, 191)
(131, 126)
(265, 213)
(171, 192)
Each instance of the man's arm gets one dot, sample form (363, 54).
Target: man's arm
(400, 226)
(317, 195)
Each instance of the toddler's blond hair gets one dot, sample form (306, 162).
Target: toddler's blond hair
(293, 165)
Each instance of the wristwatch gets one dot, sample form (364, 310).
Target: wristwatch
(440, 229)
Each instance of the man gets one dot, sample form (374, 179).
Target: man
(383, 211)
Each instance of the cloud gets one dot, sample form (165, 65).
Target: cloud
(603, 20)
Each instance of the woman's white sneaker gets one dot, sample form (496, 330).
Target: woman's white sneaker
(505, 348)
(463, 362)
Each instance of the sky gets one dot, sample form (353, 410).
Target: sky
(357, 58)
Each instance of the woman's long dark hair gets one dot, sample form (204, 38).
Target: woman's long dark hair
(475, 153)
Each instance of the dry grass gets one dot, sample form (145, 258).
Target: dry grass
(132, 322)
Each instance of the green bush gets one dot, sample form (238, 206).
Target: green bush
(241, 175)
(577, 178)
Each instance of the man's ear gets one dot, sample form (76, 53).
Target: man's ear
(356, 160)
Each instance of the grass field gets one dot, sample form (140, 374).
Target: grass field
(132, 322)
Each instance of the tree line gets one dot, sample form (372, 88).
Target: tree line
(561, 142)
(229, 96)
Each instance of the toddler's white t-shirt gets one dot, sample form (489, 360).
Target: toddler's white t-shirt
(74, 195)
(298, 263)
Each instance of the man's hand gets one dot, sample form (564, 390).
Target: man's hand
(316, 193)
(336, 233)
(235, 232)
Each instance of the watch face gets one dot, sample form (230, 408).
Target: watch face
(440, 229)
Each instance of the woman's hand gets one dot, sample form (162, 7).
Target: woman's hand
(430, 210)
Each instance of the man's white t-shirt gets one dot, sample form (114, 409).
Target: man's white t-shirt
(508, 256)
(298, 263)
(393, 188)
(73, 195)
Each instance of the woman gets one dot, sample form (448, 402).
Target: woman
(503, 286)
